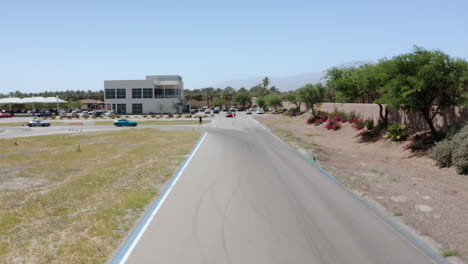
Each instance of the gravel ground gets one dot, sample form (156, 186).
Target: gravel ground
(430, 201)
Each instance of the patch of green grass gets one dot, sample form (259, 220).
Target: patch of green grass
(449, 253)
(14, 124)
(1, 130)
(71, 206)
(397, 214)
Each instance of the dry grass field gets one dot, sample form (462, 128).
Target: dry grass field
(73, 198)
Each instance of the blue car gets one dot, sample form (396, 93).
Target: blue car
(124, 122)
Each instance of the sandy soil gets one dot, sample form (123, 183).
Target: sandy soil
(409, 187)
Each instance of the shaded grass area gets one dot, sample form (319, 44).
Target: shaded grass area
(290, 138)
(449, 253)
(72, 198)
(111, 122)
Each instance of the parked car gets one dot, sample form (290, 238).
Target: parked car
(248, 112)
(63, 114)
(110, 114)
(260, 111)
(85, 114)
(44, 114)
(229, 114)
(233, 109)
(207, 111)
(38, 123)
(216, 110)
(5, 115)
(124, 122)
(225, 109)
(97, 113)
(74, 113)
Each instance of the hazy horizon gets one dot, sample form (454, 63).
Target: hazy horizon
(60, 45)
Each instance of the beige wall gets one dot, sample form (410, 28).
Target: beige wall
(414, 120)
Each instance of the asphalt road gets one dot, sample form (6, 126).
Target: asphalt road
(246, 197)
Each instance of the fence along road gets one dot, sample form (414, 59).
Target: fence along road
(246, 197)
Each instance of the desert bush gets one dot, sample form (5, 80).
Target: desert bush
(338, 116)
(397, 132)
(170, 115)
(333, 124)
(117, 116)
(460, 157)
(442, 153)
(369, 123)
(352, 116)
(455, 128)
(52, 117)
(359, 123)
(420, 142)
(144, 116)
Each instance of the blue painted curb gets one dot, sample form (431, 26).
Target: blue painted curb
(131, 239)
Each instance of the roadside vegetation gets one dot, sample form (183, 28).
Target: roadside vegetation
(73, 198)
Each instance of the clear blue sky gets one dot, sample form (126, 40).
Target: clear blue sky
(60, 45)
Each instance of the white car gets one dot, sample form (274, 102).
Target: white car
(207, 111)
(63, 114)
(248, 112)
(85, 114)
(110, 114)
(232, 109)
(260, 111)
(38, 123)
(74, 113)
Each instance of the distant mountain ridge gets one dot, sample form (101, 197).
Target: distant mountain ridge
(283, 83)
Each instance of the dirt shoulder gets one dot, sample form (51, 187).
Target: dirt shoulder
(408, 187)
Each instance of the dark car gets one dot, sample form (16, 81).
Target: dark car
(225, 109)
(44, 114)
(124, 122)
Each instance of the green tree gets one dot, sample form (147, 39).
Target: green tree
(266, 82)
(311, 95)
(219, 102)
(259, 91)
(228, 94)
(274, 100)
(274, 90)
(208, 94)
(293, 97)
(354, 82)
(261, 102)
(424, 81)
(243, 98)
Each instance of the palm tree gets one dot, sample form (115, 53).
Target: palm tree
(208, 93)
(228, 94)
(266, 82)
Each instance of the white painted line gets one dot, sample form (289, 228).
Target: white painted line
(132, 241)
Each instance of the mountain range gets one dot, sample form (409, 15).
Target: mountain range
(283, 83)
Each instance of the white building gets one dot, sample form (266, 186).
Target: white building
(157, 94)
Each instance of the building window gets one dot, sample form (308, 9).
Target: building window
(137, 109)
(110, 93)
(121, 94)
(121, 108)
(172, 93)
(136, 93)
(147, 93)
(158, 93)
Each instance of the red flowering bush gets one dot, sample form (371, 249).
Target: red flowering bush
(358, 123)
(338, 116)
(420, 142)
(333, 124)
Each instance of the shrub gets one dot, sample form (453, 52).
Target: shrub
(455, 128)
(338, 116)
(333, 124)
(420, 142)
(117, 116)
(369, 123)
(187, 116)
(397, 132)
(460, 157)
(358, 124)
(52, 117)
(442, 153)
(144, 116)
(310, 120)
(170, 115)
(153, 116)
(352, 116)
